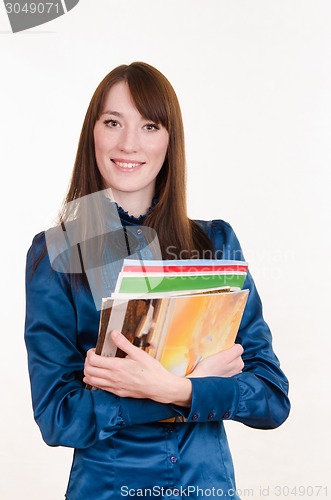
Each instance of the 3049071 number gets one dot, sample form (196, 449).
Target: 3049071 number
(32, 8)
(300, 491)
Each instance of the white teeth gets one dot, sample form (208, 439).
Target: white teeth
(127, 165)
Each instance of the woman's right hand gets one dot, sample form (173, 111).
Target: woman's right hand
(223, 364)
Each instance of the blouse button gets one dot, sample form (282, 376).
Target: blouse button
(139, 231)
(211, 415)
(226, 415)
(173, 459)
(195, 416)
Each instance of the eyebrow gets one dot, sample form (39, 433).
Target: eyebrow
(114, 113)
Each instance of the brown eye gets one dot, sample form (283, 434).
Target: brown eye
(111, 123)
(152, 126)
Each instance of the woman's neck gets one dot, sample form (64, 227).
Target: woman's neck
(132, 203)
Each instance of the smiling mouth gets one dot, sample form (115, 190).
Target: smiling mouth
(127, 164)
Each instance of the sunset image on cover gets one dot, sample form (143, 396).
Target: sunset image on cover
(198, 327)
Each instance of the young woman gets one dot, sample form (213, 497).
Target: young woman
(125, 438)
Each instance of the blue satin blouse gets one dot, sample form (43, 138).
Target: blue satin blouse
(121, 449)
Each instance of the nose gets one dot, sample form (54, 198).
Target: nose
(129, 141)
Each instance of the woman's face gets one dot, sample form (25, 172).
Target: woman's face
(129, 149)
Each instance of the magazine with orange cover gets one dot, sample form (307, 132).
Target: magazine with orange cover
(179, 330)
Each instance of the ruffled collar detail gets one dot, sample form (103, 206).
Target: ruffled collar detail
(124, 214)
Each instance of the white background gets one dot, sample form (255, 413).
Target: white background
(254, 81)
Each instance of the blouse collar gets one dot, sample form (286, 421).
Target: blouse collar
(131, 219)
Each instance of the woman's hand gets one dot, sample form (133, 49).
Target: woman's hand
(223, 364)
(138, 375)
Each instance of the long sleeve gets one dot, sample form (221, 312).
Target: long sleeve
(61, 324)
(257, 397)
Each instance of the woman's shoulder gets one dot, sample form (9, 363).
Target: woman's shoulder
(216, 228)
(215, 225)
(37, 246)
(47, 263)
(38, 240)
(223, 237)
(36, 254)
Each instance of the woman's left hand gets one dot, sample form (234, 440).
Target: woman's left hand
(138, 375)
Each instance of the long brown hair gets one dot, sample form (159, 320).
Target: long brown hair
(156, 100)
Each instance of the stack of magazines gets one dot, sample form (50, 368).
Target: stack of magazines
(179, 311)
